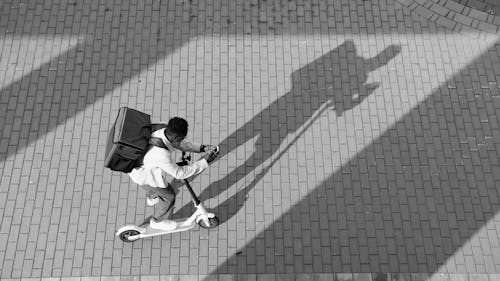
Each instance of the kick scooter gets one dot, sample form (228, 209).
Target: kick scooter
(201, 216)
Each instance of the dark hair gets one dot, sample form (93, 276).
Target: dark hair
(178, 126)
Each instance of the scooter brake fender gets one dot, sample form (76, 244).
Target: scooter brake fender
(141, 230)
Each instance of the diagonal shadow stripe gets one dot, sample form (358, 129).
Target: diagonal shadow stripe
(119, 45)
(123, 40)
(409, 202)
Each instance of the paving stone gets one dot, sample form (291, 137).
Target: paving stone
(426, 13)
(487, 27)
(455, 6)
(462, 19)
(446, 22)
(439, 9)
(481, 16)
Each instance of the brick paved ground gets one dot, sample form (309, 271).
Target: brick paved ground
(489, 6)
(455, 15)
(357, 137)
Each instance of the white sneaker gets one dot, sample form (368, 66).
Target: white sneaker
(165, 225)
(152, 202)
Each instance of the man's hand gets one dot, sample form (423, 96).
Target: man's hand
(211, 155)
(207, 148)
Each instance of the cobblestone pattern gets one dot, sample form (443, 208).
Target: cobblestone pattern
(407, 200)
(232, 68)
(454, 15)
(290, 277)
(488, 6)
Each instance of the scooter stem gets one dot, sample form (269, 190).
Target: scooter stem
(193, 195)
(185, 161)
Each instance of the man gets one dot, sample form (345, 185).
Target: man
(159, 168)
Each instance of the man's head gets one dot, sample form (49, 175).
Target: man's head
(176, 130)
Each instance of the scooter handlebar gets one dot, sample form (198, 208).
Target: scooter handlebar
(186, 157)
(212, 155)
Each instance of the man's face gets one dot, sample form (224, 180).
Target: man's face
(177, 139)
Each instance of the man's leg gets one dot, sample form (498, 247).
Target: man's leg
(166, 202)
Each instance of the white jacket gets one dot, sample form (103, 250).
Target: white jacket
(159, 166)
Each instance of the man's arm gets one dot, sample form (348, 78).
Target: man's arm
(187, 146)
(183, 172)
(162, 159)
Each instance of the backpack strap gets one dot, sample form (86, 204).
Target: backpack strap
(157, 126)
(153, 141)
(158, 142)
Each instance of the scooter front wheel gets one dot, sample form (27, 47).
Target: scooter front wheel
(213, 222)
(126, 234)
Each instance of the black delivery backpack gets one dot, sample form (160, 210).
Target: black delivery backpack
(129, 139)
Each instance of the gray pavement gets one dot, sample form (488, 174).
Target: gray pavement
(360, 139)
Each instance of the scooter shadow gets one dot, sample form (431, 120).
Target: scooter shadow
(229, 207)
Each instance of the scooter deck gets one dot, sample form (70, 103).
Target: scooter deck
(153, 232)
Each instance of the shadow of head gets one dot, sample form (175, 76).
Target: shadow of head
(340, 76)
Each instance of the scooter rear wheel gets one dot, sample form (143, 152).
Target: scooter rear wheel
(213, 222)
(124, 236)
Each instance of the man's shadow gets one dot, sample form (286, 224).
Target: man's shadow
(336, 80)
